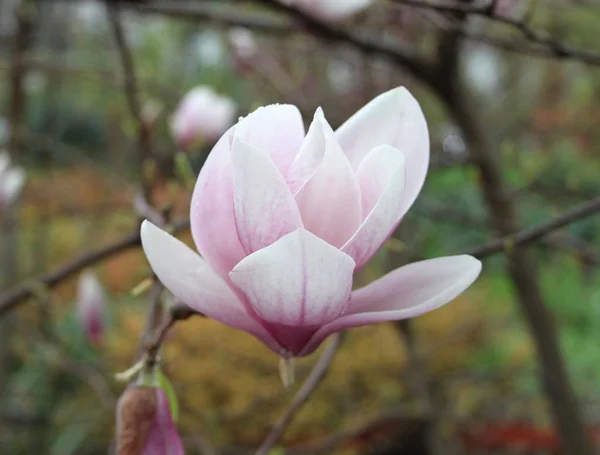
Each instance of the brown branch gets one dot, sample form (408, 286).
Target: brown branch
(532, 234)
(11, 298)
(178, 312)
(132, 94)
(206, 12)
(394, 51)
(302, 395)
(550, 46)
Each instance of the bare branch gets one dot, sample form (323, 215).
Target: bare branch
(11, 298)
(545, 44)
(132, 94)
(535, 233)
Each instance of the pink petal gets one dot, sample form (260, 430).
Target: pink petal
(163, 438)
(310, 155)
(265, 208)
(404, 293)
(191, 280)
(91, 306)
(212, 216)
(381, 175)
(331, 11)
(300, 280)
(330, 201)
(276, 130)
(393, 118)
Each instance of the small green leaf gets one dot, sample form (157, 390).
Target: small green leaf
(277, 451)
(165, 384)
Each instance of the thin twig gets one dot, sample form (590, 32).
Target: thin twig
(312, 381)
(178, 312)
(535, 233)
(11, 298)
(550, 46)
(132, 95)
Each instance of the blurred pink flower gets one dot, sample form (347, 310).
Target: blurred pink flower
(330, 10)
(202, 114)
(283, 219)
(91, 306)
(145, 425)
(12, 180)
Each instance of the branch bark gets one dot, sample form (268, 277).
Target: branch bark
(11, 298)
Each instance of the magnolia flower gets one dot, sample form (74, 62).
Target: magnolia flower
(145, 425)
(201, 115)
(12, 180)
(91, 306)
(329, 10)
(283, 219)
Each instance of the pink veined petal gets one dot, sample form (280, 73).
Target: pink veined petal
(393, 118)
(265, 208)
(212, 217)
(382, 178)
(190, 279)
(276, 130)
(310, 155)
(300, 280)
(330, 201)
(163, 438)
(404, 293)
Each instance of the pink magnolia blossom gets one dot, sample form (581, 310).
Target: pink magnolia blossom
(330, 10)
(12, 180)
(202, 114)
(283, 219)
(91, 306)
(145, 425)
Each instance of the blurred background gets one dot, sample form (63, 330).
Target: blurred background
(88, 93)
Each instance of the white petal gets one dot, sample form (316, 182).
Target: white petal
(330, 201)
(300, 280)
(382, 168)
(190, 279)
(376, 172)
(404, 293)
(393, 118)
(265, 208)
(276, 130)
(11, 184)
(310, 155)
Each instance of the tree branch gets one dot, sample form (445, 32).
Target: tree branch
(532, 234)
(132, 95)
(11, 298)
(550, 46)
